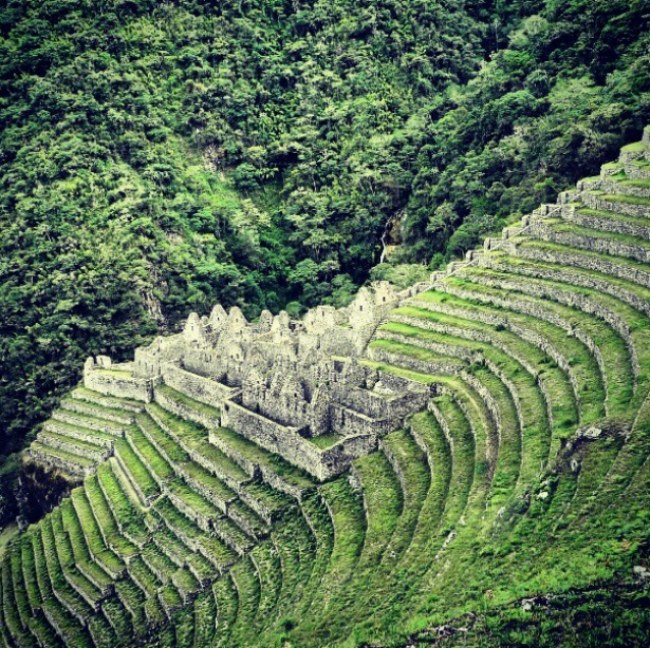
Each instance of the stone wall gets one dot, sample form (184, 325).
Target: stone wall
(271, 436)
(383, 406)
(117, 380)
(596, 202)
(288, 443)
(184, 411)
(204, 390)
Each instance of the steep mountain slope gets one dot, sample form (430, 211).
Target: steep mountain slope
(523, 487)
(156, 157)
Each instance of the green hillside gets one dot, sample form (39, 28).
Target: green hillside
(489, 159)
(157, 157)
(513, 510)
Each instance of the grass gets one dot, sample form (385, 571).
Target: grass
(269, 569)
(106, 521)
(128, 517)
(136, 468)
(634, 147)
(78, 433)
(57, 453)
(555, 382)
(187, 401)
(168, 447)
(196, 475)
(205, 615)
(628, 200)
(325, 441)
(95, 410)
(585, 255)
(615, 356)
(536, 425)
(247, 583)
(634, 243)
(149, 454)
(609, 217)
(111, 402)
(254, 453)
(227, 603)
(114, 373)
(101, 553)
(482, 500)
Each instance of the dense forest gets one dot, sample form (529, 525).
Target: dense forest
(158, 157)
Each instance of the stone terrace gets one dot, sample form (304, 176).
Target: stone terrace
(533, 361)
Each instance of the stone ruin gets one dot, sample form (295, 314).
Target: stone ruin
(295, 387)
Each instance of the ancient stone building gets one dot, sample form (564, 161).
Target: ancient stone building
(278, 381)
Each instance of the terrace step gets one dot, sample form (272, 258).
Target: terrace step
(608, 349)
(274, 470)
(80, 433)
(90, 422)
(227, 603)
(137, 472)
(213, 549)
(96, 411)
(73, 464)
(187, 408)
(74, 446)
(90, 396)
(101, 554)
(583, 238)
(608, 221)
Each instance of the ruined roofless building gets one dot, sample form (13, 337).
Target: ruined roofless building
(294, 387)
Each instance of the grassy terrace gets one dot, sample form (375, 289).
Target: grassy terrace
(636, 322)
(89, 422)
(136, 468)
(90, 528)
(635, 243)
(555, 382)
(96, 410)
(77, 542)
(245, 448)
(110, 402)
(615, 355)
(317, 516)
(178, 427)
(574, 255)
(325, 441)
(227, 604)
(247, 583)
(164, 443)
(481, 500)
(72, 444)
(190, 403)
(149, 455)
(115, 373)
(68, 459)
(536, 432)
(269, 568)
(195, 502)
(183, 528)
(79, 432)
(628, 200)
(634, 147)
(413, 351)
(295, 542)
(106, 521)
(608, 219)
(582, 276)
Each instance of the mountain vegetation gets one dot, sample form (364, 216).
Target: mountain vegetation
(161, 157)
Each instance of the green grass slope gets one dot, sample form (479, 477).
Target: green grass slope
(513, 511)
